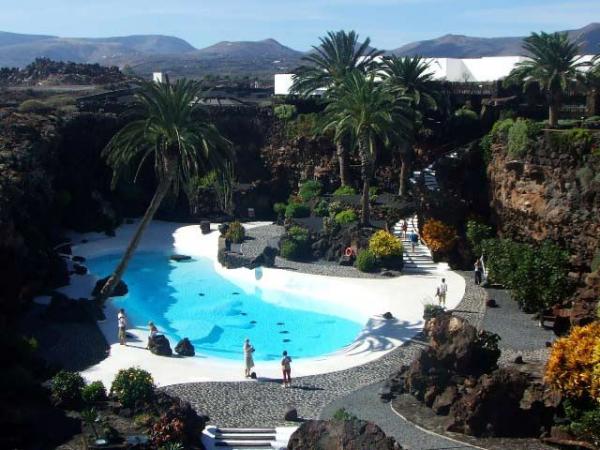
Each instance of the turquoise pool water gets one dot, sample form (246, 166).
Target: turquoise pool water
(189, 299)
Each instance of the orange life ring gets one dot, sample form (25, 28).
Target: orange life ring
(349, 252)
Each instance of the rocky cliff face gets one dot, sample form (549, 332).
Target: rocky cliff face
(28, 228)
(552, 193)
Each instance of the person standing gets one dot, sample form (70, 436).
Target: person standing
(478, 271)
(122, 322)
(414, 240)
(248, 359)
(286, 368)
(442, 290)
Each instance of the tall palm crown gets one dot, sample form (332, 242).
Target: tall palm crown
(338, 54)
(168, 129)
(413, 77)
(553, 63)
(369, 112)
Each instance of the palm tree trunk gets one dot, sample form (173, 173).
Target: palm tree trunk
(553, 114)
(113, 280)
(342, 155)
(365, 173)
(406, 159)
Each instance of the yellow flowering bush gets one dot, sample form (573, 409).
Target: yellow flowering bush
(133, 386)
(385, 245)
(573, 366)
(438, 236)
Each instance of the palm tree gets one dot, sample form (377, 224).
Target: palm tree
(553, 63)
(366, 110)
(338, 54)
(591, 83)
(170, 131)
(412, 78)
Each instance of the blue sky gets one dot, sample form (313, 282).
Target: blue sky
(297, 23)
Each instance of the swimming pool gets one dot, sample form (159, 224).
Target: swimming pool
(190, 299)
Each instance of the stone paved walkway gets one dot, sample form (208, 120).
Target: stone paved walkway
(263, 403)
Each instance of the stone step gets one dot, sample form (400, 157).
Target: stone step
(245, 436)
(246, 430)
(239, 444)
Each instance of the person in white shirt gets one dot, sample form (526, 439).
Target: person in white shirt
(441, 293)
(122, 321)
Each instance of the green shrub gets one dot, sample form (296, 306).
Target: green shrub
(295, 244)
(521, 135)
(346, 217)
(321, 209)
(536, 276)
(384, 244)
(309, 190)
(344, 190)
(66, 389)
(235, 232)
(34, 106)
(132, 387)
(467, 115)
(485, 144)
(304, 125)
(477, 232)
(93, 392)
(296, 211)
(501, 128)
(366, 261)
(279, 209)
(285, 112)
(584, 418)
(343, 415)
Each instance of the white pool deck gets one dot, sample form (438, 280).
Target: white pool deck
(403, 296)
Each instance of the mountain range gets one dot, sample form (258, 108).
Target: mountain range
(147, 53)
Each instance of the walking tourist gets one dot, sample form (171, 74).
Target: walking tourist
(153, 333)
(404, 229)
(414, 240)
(441, 293)
(122, 321)
(478, 271)
(286, 368)
(248, 359)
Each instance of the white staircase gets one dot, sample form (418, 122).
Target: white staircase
(428, 178)
(216, 438)
(420, 259)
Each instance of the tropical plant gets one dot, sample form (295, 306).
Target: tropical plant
(295, 244)
(89, 417)
(439, 236)
(338, 54)
(321, 209)
(279, 210)
(553, 63)
(285, 112)
(572, 362)
(411, 79)
(366, 109)
(224, 186)
(172, 133)
(132, 386)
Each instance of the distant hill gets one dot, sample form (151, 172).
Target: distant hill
(148, 53)
(18, 50)
(458, 46)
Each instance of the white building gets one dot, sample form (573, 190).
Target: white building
(158, 77)
(475, 70)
